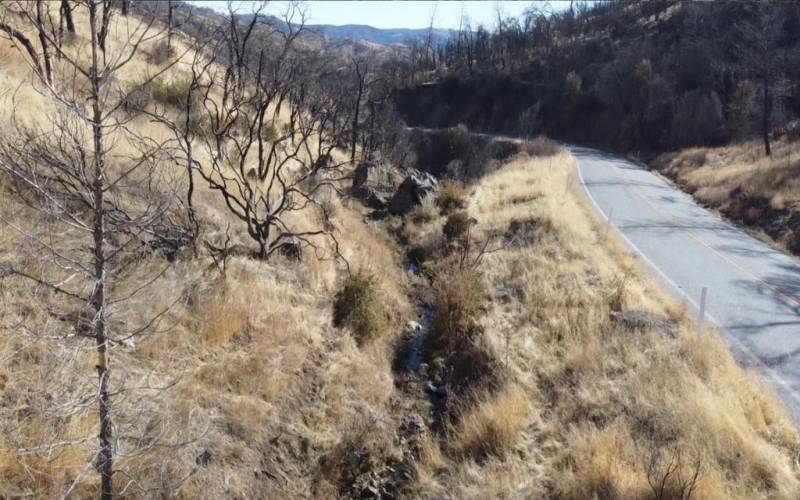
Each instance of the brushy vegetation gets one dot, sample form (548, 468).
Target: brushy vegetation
(459, 295)
(426, 211)
(541, 146)
(357, 306)
(492, 427)
(170, 92)
(262, 375)
(646, 77)
(457, 225)
(452, 196)
(160, 53)
(456, 153)
(576, 405)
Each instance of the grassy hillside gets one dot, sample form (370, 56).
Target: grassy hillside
(519, 377)
(260, 383)
(586, 406)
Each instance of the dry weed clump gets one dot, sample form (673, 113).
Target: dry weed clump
(357, 305)
(456, 226)
(459, 295)
(426, 211)
(452, 196)
(541, 147)
(362, 453)
(491, 427)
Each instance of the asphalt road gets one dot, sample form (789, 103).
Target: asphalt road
(753, 290)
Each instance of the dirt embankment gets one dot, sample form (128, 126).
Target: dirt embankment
(758, 191)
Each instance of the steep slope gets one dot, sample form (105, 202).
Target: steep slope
(258, 383)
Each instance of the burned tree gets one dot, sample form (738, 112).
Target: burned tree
(66, 14)
(755, 46)
(89, 180)
(263, 170)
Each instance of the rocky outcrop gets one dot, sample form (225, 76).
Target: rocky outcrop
(375, 183)
(412, 191)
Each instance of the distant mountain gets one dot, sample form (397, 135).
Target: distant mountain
(378, 35)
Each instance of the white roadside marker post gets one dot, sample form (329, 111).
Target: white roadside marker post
(608, 224)
(703, 296)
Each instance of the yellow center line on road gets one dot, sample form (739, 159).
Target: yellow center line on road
(730, 260)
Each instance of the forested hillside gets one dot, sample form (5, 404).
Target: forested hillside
(635, 76)
(645, 79)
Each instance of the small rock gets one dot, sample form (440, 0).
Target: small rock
(375, 183)
(640, 320)
(412, 425)
(291, 249)
(414, 326)
(203, 459)
(437, 390)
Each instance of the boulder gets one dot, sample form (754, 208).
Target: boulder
(375, 183)
(412, 191)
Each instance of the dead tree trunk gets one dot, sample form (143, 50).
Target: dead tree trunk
(105, 459)
(765, 116)
(169, 25)
(40, 24)
(62, 167)
(106, 19)
(66, 14)
(359, 96)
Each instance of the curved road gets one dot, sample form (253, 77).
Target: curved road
(753, 290)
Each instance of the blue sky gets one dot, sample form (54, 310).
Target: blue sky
(405, 14)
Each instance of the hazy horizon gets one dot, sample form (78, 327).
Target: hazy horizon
(397, 15)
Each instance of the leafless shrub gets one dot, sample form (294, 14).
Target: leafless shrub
(263, 172)
(670, 475)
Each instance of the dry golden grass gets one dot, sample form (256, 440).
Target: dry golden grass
(268, 387)
(452, 196)
(744, 183)
(600, 400)
(490, 428)
(264, 382)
